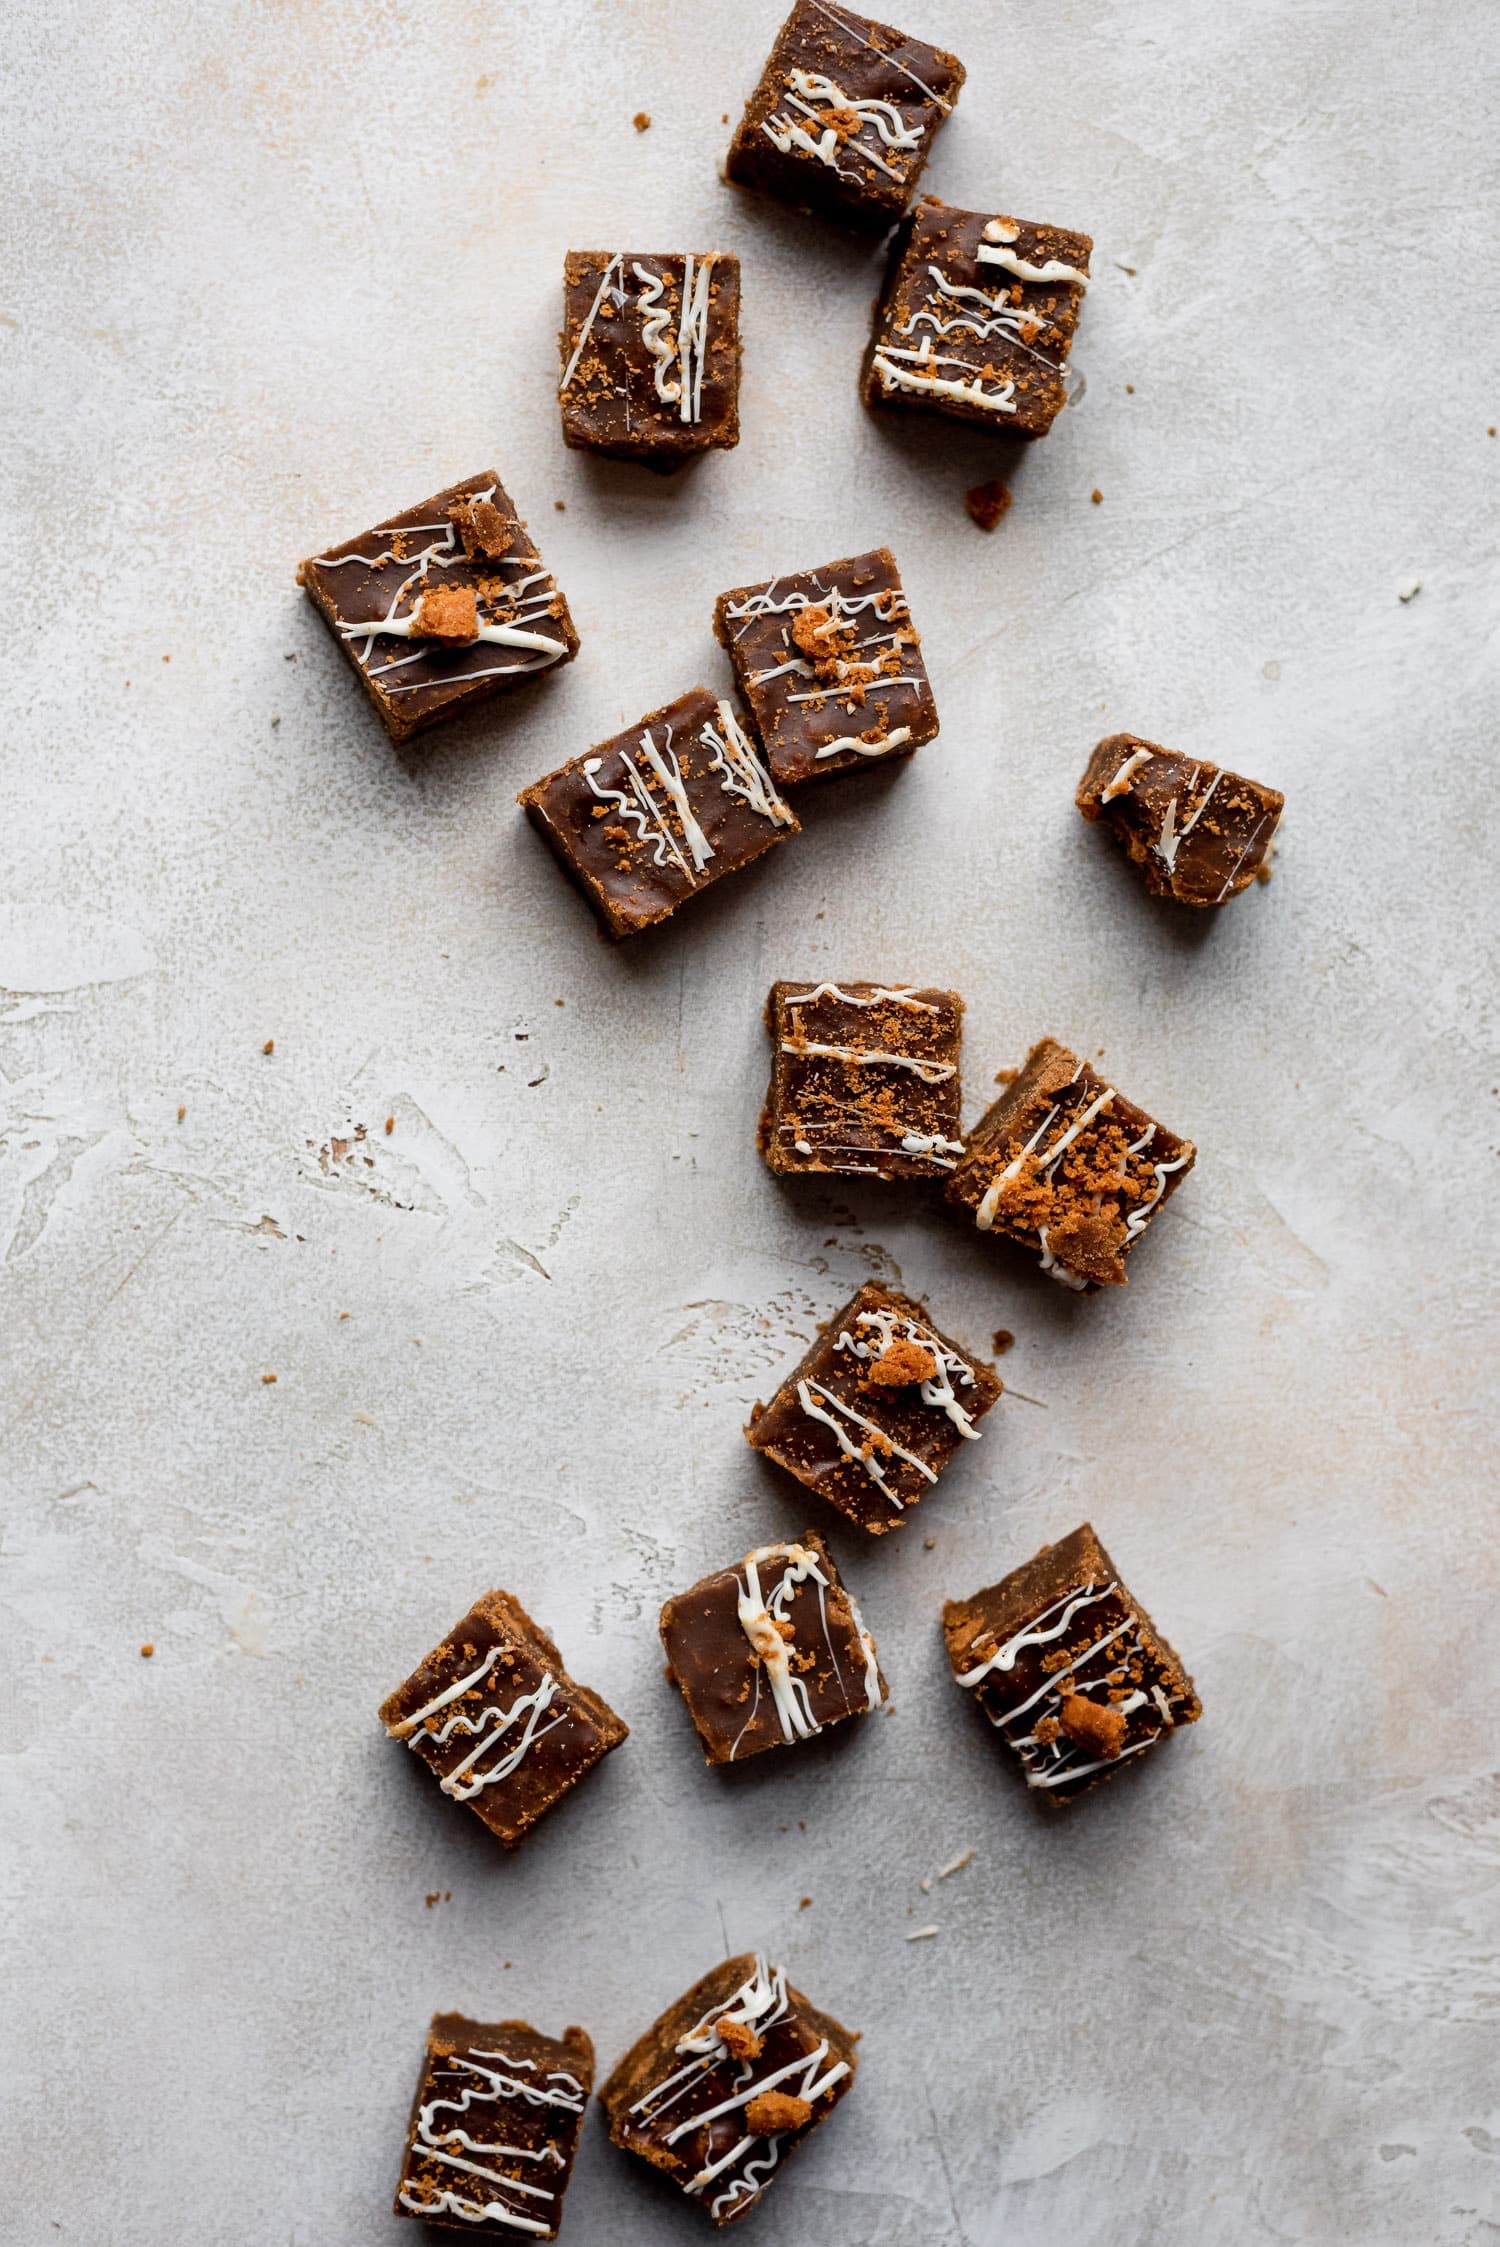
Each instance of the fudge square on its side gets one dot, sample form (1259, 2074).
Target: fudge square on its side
(1065, 1166)
(657, 813)
(876, 1409)
(650, 348)
(494, 2126)
(1068, 1667)
(1197, 833)
(831, 667)
(864, 1080)
(976, 319)
(495, 1716)
(770, 1652)
(844, 116)
(443, 606)
(726, 2085)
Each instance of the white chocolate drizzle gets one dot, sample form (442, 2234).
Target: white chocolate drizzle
(880, 747)
(995, 249)
(902, 995)
(740, 774)
(891, 62)
(1000, 317)
(760, 1614)
(686, 348)
(488, 2085)
(916, 374)
(812, 95)
(930, 1072)
(942, 1153)
(1119, 786)
(889, 1326)
(833, 1412)
(493, 1722)
(984, 1215)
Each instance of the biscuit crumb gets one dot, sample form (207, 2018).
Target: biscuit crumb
(901, 1365)
(739, 2038)
(390, 1125)
(770, 2112)
(269, 1046)
(268, 1380)
(1002, 1340)
(148, 1650)
(1096, 495)
(986, 504)
(642, 120)
(483, 531)
(182, 1111)
(1092, 1724)
(448, 614)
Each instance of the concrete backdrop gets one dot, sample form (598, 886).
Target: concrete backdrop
(276, 271)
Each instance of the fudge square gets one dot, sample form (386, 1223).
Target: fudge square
(876, 1409)
(494, 2125)
(831, 666)
(1198, 834)
(864, 1080)
(728, 2083)
(976, 319)
(770, 1652)
(1069, 1669)
(650, 349)
(459, 580)
(1065, 1165)
(844, 116)
(659, 812)
(494, 1713)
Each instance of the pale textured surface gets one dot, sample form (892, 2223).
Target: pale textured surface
(282, 269)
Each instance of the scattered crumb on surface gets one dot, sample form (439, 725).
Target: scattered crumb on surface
(166, 659)
(148, 1649)
(561, 505)
(181, 1113)
(920, 1934)
(267, 1380)
(929, 1544)
(987, 503)
(269, 1046)
(1264, 871)
(642, 120)
(1409, 590)
(1002, 1340)
(1096, 495)
(1006, 1076)
(804, 1903)
(1130, 269)
(1130, 389)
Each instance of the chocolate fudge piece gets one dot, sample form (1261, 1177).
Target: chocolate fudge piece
(650, 350)
(1070, 1670)
(831, 666)
(459, 581)
(844, 116)
(1197, 833)
(660, 811)
(494, 2125)
(770, 1652)
(864, 1080)
(876, 1408)
(728, 2082)
(1066, 1166)
(495, 1714)
(976, 319)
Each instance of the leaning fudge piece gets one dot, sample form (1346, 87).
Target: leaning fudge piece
(876, 1409)
(494, 2125)
(493, 1712)
(1070, 1670)
(864, 1080)
(728, 2082)
(656, 814)
(459, 581)
(650, 350)
(1198, 833)
(844, 116)
(770, 1652)
(1066, 1166)
(831, 666)
(976, 319)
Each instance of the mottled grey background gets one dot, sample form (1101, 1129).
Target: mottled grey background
(277, 270)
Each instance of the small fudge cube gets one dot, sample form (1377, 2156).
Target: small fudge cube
(1069, 1669)
(494, 2125)
(770, 1652)
(844, 116)
(650, 350)
(1197, 833)
(864, 1080)
(728, 2082)
(1067, 1167)
(661, 811)
(494, 1713)
(876, 1409)
(460, 582)
(831, 666)
(976, 319)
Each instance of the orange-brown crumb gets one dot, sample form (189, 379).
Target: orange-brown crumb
(483, 531)
(1096, 495)
(1002, 1340)
(642, 120)
(987, 503)
(1092, 1724)
(448, 614)
(390, 1125)
(772, 2111)
(182, 1111)
(148, 1649)
(269, 1046)
(268, 1380)
(739, 2038)
(902, 1364)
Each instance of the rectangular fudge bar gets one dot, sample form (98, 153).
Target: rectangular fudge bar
(494, 2126)
(494, 1714)
(1197, 833)
(976, 319)
(657, 813)
(876, 1409)
(650, 348)
(1066, 1166)
(830, 665)
(864, 1080)
(460, 583)
(770, 1652)
(1068, 1667)
(726, 2085)
(844, 116)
